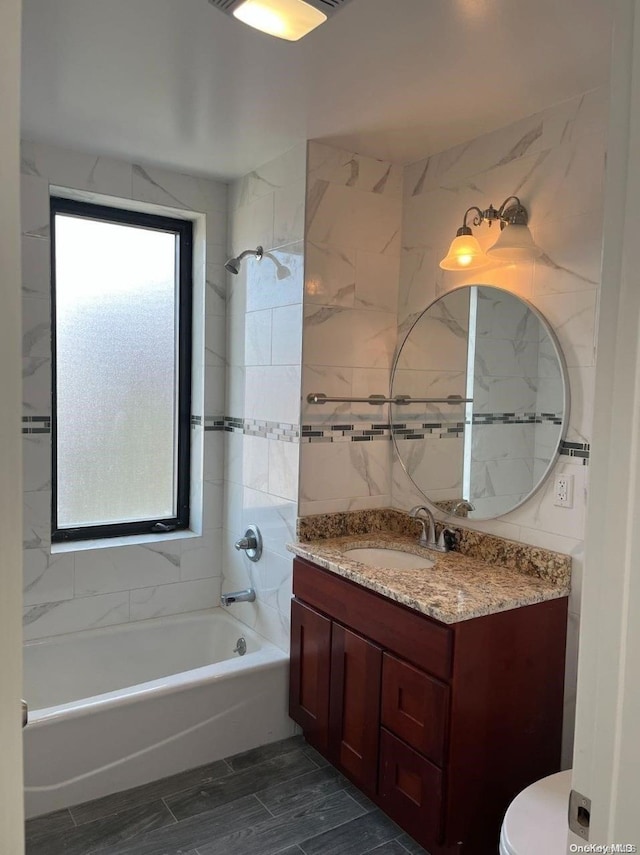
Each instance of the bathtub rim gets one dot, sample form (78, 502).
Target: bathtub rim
(267, 655)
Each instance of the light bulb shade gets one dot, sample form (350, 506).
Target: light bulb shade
(285, 19)
(465, 253)
(515, 243)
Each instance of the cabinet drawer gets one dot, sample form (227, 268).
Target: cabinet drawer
(410, 789)
(415, 707)
(413, 636)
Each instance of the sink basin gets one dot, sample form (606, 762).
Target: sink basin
(389, 559)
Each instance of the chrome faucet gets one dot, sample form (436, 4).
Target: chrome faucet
(428, 540)
(246, 596)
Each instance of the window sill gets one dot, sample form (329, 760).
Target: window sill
(128, 540)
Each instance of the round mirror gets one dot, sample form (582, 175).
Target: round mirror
(488, 401)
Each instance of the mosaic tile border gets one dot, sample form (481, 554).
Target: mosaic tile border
(576, 449)
(36, 424)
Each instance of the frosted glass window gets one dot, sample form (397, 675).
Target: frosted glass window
(117, 448)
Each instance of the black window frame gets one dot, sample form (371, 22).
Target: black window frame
(183, 229)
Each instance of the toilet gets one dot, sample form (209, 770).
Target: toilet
(536, 820)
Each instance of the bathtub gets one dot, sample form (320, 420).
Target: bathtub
(117, 707)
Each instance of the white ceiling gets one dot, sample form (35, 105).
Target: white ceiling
(178, 83)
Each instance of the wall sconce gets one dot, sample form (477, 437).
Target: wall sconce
(284, 19)
(515, 242)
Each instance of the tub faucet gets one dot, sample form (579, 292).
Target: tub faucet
(246, 596)
(428, 540)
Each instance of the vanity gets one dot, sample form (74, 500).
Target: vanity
(437, 690)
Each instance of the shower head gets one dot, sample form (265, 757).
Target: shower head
(233, 264)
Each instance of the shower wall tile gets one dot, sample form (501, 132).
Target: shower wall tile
(81, 171)
(93, 586)
(264, 314)
(47, 578)
(175, 599)
(74, 615)
(123, 568)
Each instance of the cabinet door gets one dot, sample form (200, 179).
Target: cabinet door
(356, 667)
(410, 790)
(309, 676)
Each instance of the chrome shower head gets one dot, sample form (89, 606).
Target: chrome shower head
(233, 264)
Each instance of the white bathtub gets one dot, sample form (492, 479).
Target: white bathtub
(118, 707)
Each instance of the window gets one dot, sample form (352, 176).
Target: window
(121, 307)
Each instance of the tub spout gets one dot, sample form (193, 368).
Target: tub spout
(246, 596)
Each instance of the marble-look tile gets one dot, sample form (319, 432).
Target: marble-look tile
(272, 393)
(176, 190)
(348, 337)
(330, 275)
(36, 262)
(493, 442)
(252, 225)
(202, 556)
(47, 578)
(377, 224)
(344, 470)
(216, 290)
(214, 390)
(330, 506)
(271, 577)
(377, 278)
(36, 386)
(582, 386)
(257, 338)
(286, 335)
(274, 516)
(572, 254)
(334, 381)
(282, 171)
(494, 478)
(123, 568)
(579, 116)
(36, 519)
(289, 213)
(34, 207)
(435, 464)
(540, 513)
(215, 341)
(36, 463)
(255, 463)
(278, 280)
(36, 328)
(75, 169)
(349, 169)
(175, 598)
(331, 215)
(74, 615)
(213, 469)
(283, 469)
(573, 317)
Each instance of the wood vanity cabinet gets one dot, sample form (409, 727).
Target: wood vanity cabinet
(440, 724)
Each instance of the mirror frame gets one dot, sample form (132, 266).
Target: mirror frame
(565, 390)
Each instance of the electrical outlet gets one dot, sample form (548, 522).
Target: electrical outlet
(563, 491)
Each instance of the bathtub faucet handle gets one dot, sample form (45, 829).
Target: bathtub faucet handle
(251, 543)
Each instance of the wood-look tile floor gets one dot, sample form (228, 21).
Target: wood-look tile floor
(280, 799)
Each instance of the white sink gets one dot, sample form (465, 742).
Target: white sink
(389, 559)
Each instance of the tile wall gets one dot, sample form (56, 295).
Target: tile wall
(264, 316)
(352, 243)
(554, 161)
(68, 591)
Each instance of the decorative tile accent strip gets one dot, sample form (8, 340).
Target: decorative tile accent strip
(530, 560)
(576, 449)
(36, 424)
(283, 431)
(196, 421)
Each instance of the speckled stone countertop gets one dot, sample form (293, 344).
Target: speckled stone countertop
(458, 587)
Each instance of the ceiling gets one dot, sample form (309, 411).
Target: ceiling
(178, 83)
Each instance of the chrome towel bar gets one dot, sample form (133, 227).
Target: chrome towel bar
(376, 400)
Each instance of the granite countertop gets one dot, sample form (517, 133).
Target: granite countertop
(458, 587)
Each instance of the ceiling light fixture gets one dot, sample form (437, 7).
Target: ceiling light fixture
(284, 19)
(515, 242)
